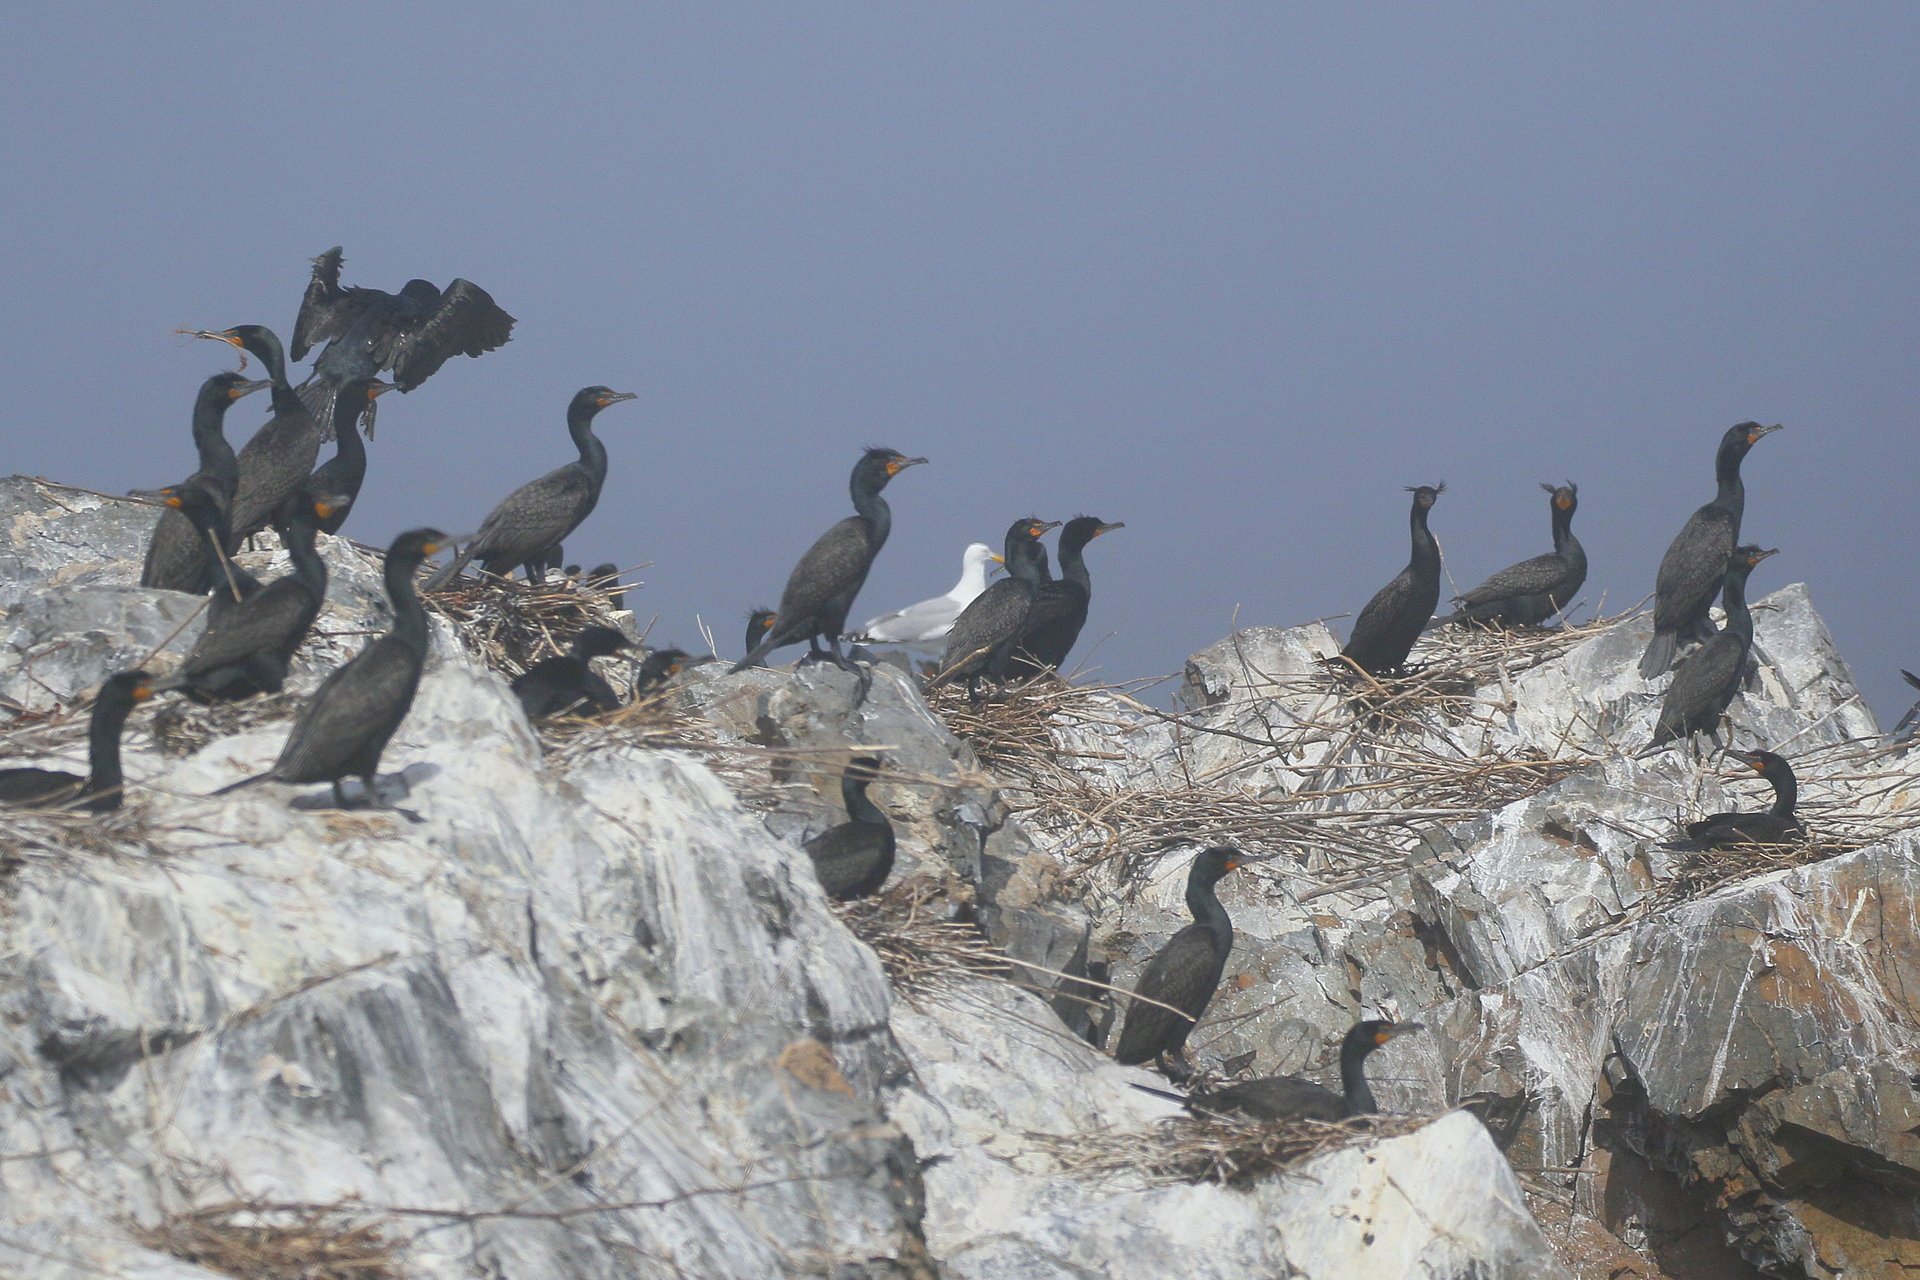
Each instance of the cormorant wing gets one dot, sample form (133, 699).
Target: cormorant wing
(363, 700)
(1698, 680)
(327, 311)
(1695, 564)
(834, 568)
(464, 320)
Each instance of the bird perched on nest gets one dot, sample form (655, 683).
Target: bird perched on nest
(759, 622)
(659, 667)
(100, 790)
(983, 636)
(1777, 825)
(369, 332)
(823, 585)
(1283, 1098)
(855, 858)
(1060, 607)
(1384, 633)
(529, 523)
(1185, 973)
(1528, 593)
(568, 682)
(1696, 560)
(929, 621)
(345, 726)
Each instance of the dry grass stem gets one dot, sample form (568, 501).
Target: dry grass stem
(255, 1243)
(1207, 1148)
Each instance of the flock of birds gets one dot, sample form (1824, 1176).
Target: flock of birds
(1013, 628)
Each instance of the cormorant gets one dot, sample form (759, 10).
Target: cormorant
(1706, 680)
(759, 622)
(179, 557)
(100, 790)
(1384, 633)
(536, 516)
(370, 331)
(1528, 593)
(1060, 608)
(1186, 970)
(246, 648)
(1280, 1098)
(346, 470)
(568, 681)
(930, 620)
(346, 724)
(606, 577)
(659, 667)
(276, 462)
(855, 858)
(1730, 830)
(1696, 560)
(208, 519)
(983, 636)
(822, 586)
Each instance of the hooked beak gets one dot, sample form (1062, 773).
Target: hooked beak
(1109, 528)
(247, 388)
(1397, 1029)
(898, 465)
(615, 397)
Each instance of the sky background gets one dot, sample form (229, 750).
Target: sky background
(1232, 274)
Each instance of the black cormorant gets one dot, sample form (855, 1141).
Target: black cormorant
(759, 622)
(1384, 633)
(658, 667)
(369, 331)
(1706, 679)
(1528, 593)
(606, 578)
(280, 457)
(346, 470)
(208, 519)
(537, 515)
(855, 858)
(246, 648)
(35, 788)
(568, 682)
(1060, 608)
(1696, 560)
(1186, 970)
(1282, 1098)
(345, 726)
(982, 639)
(822, 586)
(179, 557)
(1776, 826)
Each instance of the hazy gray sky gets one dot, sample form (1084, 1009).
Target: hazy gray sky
(1231, 274)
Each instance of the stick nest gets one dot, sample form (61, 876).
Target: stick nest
(1229, 1150)
(923, 949)
(511, 625)
(237, 1239)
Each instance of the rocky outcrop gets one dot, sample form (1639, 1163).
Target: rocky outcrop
(590, 1015)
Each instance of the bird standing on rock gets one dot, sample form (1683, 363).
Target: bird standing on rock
(822, 586)
(1696, 561)
(280, 456)
(1704, 685)
(1059, 607)
(345, 726)
(179, 556)
(1185, 972)
(1384, 633)
(531, 521)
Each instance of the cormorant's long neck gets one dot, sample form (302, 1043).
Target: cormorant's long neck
(1353, 1081)
(593, 454)
(1073, 565)
(210, 439)
(1786, 792)
(350, 449)
(409, 619)
(859, 808)
(1732, 493)
(103, 745)
(1565, 545)
(1028, 563)
(1207, 912)
(1426, 552)
(1733, 594)
(868, 502)
(308, 568)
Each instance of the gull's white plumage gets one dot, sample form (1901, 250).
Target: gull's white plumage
(929, 621)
